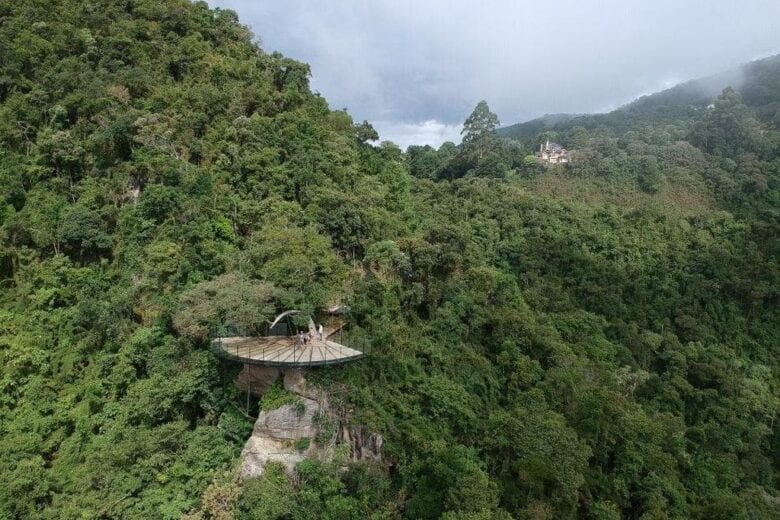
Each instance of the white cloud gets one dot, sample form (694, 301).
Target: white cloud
(406, 60)
(430, 132)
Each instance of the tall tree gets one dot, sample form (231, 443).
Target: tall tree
(478, 128)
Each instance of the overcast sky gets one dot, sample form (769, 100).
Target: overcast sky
(416, 68)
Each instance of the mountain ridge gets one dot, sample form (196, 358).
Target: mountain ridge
(751, 80)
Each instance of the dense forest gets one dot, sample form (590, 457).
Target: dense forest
(596, 340)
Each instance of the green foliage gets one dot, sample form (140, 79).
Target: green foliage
(276, 397)
(451, 480)
(327, 428)
(648, 175)
(319, 492)
(596, 340)
(480, 124)
(267, 497)
(298, 260)
(728, 128)
(303, 444)
(481, 154)
(229, 299)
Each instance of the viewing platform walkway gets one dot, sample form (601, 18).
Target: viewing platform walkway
(283, 351)
(287, 351)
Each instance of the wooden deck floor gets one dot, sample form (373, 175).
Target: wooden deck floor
(283, 350)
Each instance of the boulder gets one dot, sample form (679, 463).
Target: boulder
(274, 435)
(259, 451)
(289, 422)
(276, 432)
(295, 382)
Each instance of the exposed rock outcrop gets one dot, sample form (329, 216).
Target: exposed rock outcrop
(275, 434)
(364, 444)
(256, 380)
(287, 434)
(290, 422)
(295, 382)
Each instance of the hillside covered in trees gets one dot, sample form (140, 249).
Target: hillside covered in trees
(595, 341)
(757, 82)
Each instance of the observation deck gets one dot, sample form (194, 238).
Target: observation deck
(284, 350)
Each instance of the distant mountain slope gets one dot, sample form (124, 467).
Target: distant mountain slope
(540, 124)
(758, 82)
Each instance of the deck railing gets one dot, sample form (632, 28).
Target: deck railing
(226, 342)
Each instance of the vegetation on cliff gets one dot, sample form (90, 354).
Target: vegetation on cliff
(596, 341)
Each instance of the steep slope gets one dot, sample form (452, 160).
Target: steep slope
(597, 341)
(145, 147)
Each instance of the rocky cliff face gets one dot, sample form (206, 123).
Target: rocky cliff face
(364, 444)
(277, 437)
(256, 380)
(309, 428)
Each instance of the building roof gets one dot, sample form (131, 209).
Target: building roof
(554, 147)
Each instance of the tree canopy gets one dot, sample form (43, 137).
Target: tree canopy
(480, 124)
(595, 340)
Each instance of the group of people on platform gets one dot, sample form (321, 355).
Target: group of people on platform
(305, 337)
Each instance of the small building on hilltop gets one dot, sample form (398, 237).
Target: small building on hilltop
(553, 153)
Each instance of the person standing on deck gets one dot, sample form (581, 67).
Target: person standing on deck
(319, 331)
